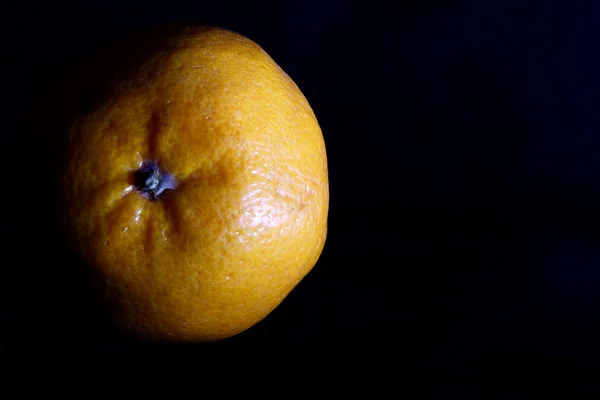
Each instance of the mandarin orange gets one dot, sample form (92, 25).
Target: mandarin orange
(197, 190)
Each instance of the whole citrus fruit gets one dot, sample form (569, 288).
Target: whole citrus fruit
(197, 188)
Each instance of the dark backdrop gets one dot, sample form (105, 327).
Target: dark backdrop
(462, 258)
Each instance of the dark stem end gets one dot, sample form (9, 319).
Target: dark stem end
(151, 181)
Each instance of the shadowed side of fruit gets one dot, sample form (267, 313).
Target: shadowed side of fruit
(53, 290)
(50, 291)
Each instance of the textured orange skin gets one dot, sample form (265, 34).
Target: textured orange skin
(248, 220)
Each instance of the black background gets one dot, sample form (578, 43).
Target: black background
(462, 257)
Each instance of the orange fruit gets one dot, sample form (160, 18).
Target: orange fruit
(197, 190)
